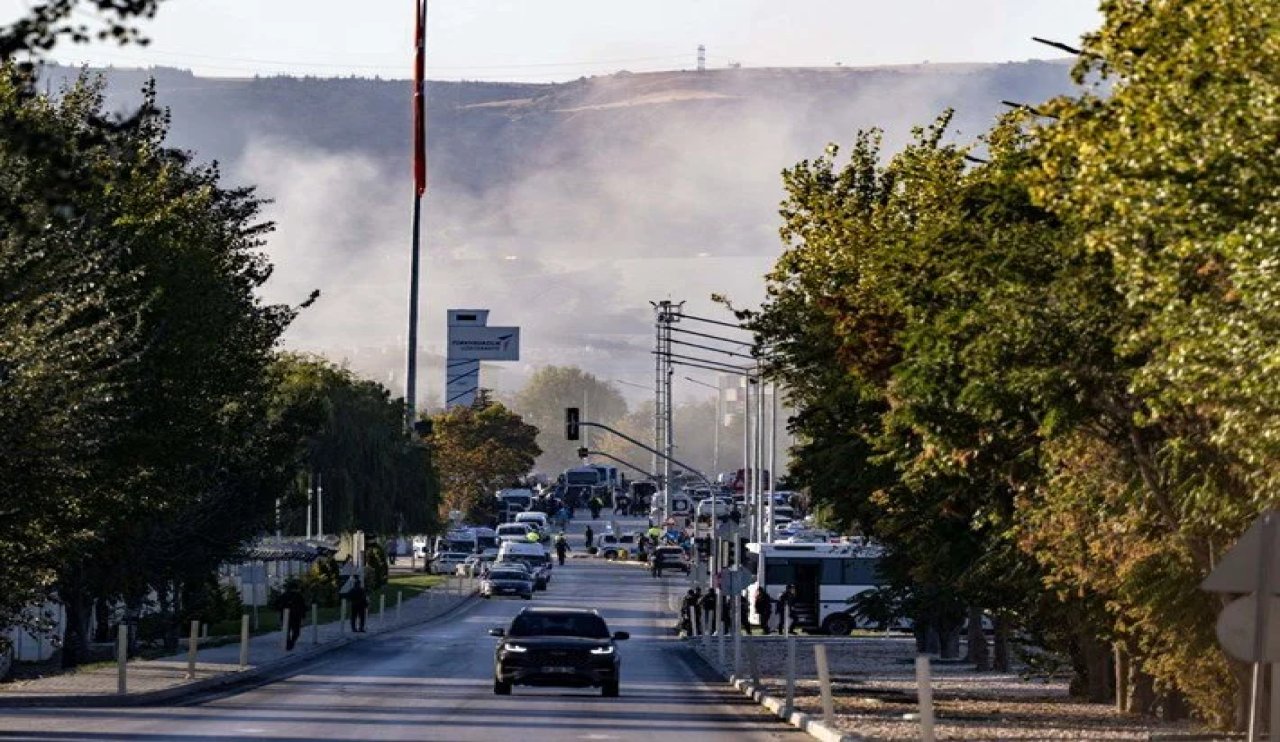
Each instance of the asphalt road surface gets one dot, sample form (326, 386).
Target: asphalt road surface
(435, 682)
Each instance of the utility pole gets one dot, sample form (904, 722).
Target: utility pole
(667, 313)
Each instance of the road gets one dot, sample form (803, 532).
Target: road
(435, 682)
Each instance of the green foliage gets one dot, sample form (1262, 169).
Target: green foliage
(376, 567)
(1045, 381)
(353, 445)
(480, 450)
(543, 400)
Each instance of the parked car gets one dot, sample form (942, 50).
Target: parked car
(507, 580)
(532, 555)
(564, 647)
(611, 546)
(447, 562)
(672, 557)
(475, 564)
(514, 532)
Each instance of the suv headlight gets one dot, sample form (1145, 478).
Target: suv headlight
(517, 648)
(602, 650)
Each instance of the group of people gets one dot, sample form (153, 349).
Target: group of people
(293, 608)
(698, 611)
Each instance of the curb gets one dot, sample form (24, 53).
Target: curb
(810, 724)
(217, 682)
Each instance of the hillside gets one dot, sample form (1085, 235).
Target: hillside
(564, 207)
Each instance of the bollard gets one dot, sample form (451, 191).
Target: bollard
(735, 621)
(824, 683)
(753, 660)
(382, 611)
(193, 649)
(284, 630)
(244, 640)
(791, 674)
(924, 685)
(122, 658)
(315, 624)
(204, 631)
(399, 602)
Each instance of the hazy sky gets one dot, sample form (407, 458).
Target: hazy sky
(563, 39)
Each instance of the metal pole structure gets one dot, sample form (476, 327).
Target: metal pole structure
(773, 458)
(658, 361)
(419, 187)
(311, 496)
(761, 472)
(319, 506)
(746, 445)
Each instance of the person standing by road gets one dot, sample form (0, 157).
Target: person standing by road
(292, 602)
(764, 608)
(562, 547)
(708, 606)
(655, 565)
(596, 505)
(359, 606)
(690, 614)
(590, 536)
(786, 605)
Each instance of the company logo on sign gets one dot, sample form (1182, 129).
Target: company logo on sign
(484, 343)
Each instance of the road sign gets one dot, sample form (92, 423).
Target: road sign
(484, 343)
(1237, 570)
(1235, 630)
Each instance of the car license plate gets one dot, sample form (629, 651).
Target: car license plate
(557, 670)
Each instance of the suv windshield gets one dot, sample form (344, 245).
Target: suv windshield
(585, 625)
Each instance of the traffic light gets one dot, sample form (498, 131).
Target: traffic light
(571, 423)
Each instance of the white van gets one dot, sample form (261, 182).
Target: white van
(681, 506)
(532, 555)
(513, 532)
(534, 519)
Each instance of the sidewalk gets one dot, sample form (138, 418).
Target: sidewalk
(164, 678)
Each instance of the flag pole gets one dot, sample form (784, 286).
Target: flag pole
(419, 187)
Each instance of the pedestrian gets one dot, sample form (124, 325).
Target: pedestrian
(590, 536)
(691, 610)
(562, 547)
(359, 606)
(786, 605)
(744, 614)
(764, 608)
(655, 565)
(708, 606)
(596, 506)
(293, 602)
(726, 614)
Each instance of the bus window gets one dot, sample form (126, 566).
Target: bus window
(861, 572)
(779, 573)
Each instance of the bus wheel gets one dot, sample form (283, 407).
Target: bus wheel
(839, 624)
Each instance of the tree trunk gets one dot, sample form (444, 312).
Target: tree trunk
(950, 643)
(75, 635)
(1121, 668)
(1097, 662)
(101, 620)
(1142, 694)
(1003, 662)
(979, 651)
(932, 642)
(169, 610)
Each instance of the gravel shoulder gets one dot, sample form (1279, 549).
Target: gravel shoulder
(874, 690)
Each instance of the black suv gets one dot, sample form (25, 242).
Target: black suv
(557, 647)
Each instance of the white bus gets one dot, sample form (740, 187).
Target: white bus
(825, 576)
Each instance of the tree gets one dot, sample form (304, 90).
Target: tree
(480, 449)
(543, 400)
(353, 449)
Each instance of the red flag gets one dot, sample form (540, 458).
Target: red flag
(419, 99)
